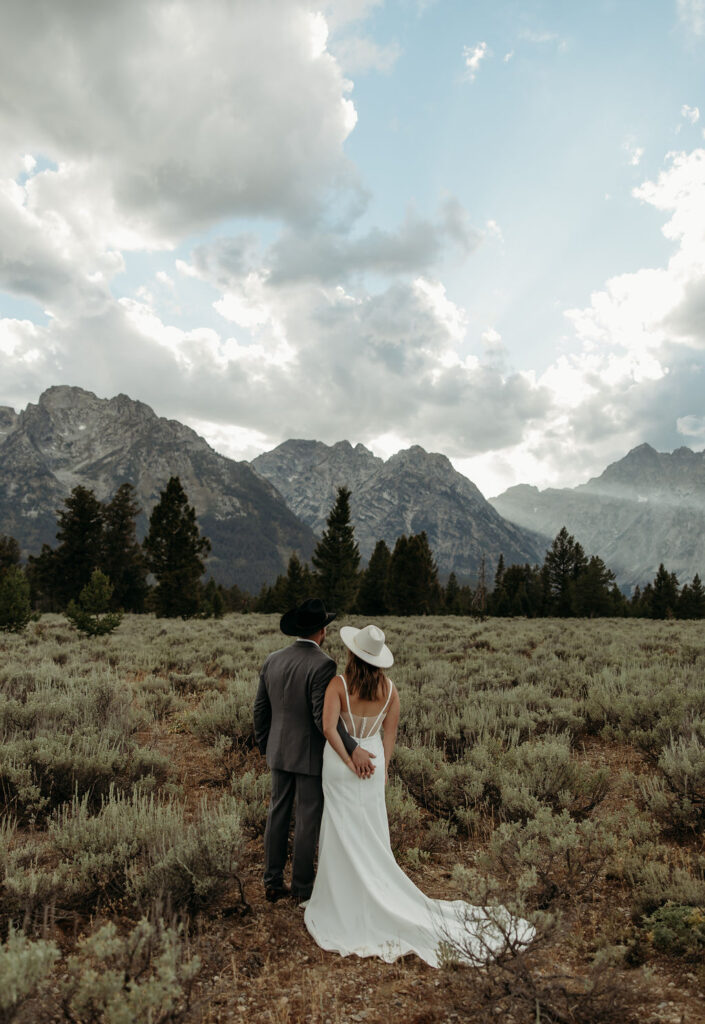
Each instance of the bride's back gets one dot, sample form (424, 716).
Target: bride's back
(362, 716)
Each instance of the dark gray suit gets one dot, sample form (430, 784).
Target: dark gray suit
(288, 729)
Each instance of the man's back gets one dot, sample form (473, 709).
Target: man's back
(288, 707)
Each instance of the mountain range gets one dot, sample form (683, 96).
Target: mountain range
(70, 437)
(412, 491)
(647, 508)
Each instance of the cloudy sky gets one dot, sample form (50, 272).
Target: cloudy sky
(475, 225)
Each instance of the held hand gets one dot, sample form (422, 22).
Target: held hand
(362, 759)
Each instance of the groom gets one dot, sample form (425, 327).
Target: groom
(288, 729)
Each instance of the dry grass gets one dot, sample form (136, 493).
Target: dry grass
(263, 966)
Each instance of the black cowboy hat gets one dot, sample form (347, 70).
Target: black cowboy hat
(307, 619)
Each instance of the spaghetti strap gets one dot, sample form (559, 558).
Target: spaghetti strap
(347, 696)
(379, 717)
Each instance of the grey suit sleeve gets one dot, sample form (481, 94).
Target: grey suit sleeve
(318, 692)
(262, 715)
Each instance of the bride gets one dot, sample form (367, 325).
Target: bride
(362, 902)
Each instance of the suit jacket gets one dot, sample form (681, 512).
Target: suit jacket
(288, 709)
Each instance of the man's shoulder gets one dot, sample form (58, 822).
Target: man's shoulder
(300, 651)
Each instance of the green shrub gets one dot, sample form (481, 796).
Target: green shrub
(251, 791)
(677, 930)
(24, 965)
(91, 615)
(15, 606)
(403, 814)
(226, 714)
(145, 977)
(677, 795)
(551, 856)
(140, 849)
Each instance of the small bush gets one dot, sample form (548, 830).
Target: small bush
(144, 978)
(251, 791)
(15, 606)
(91, 615)
(677, 795)
(24, 965)
(403, 814)
(677, 930)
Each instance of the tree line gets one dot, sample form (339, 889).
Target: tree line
(404, 581)
(98, 569)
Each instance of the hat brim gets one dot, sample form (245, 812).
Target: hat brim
(291, 625)
(385, 658)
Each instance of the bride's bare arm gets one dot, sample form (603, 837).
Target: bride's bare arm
(390, 726)
(331, 714)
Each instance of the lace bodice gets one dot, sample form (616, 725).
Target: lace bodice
(361, 727)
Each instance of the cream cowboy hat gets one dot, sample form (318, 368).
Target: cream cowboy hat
(368, 644)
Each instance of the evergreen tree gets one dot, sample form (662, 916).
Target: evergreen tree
(592, 590)
(9, 553)
(174, 550)
(91, 613)
(412, 581)
(15, 606)
(297, 585)
(479, 597)
(373, 582)
(664, 600)
(337, 557)
(79, 552)
(122, 558)
(522, 587)
(697, 598)
(499, 601)
(565, 561)
(213, 601)
(451, 596)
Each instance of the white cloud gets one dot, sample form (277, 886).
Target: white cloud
(692, 427)
(691, 114)
(359, 54)
(633, 151)
(179, 114)
(473, 57)
(692, 15)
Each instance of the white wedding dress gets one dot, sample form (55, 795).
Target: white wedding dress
(362, 902)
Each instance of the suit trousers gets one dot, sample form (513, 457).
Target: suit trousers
(306, 792)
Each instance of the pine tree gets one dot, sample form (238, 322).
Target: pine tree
(122, 557)
(15, 606)
(664, 600)
(592, 590)
(9, 553)
(174, 550)
(371, 593)
(565, 561)
(412, 581)
(479, 597)
(337, 557)
(91, 614)
(79, 552)
(451, 596)
(296, 585)
(697, 598)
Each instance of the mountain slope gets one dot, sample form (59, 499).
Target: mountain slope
(412, 491)
(647, 508)
(72, 437)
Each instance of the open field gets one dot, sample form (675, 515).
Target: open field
(556, 766)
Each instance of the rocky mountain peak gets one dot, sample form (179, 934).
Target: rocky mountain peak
(71, 437)
(413, 490)
(8, 421)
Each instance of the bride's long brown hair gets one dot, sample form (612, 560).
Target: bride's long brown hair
(363, 680)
